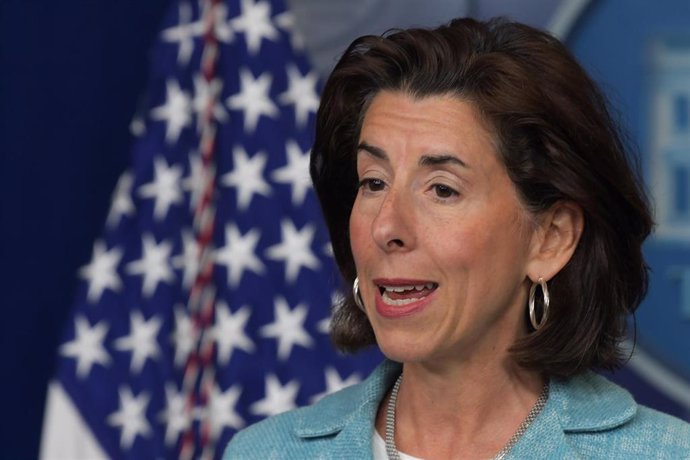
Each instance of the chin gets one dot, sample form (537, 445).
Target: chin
(402, 351)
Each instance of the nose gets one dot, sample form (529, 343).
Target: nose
(392, 228)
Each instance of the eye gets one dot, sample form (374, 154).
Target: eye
(443, 191)
(372, 184)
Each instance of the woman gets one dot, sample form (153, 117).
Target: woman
(494, 247)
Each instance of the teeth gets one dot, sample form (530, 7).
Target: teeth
(416, 287)
(386, 290)
(399, 302)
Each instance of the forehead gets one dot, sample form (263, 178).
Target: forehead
(397, 120)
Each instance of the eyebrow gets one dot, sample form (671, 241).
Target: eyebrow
(435, 160)
(373, 151)
(425, 160)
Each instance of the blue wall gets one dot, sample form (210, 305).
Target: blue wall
(70, 76)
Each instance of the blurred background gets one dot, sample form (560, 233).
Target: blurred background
(73, 74)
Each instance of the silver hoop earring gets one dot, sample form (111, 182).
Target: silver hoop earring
(545, 310)
(355, 294)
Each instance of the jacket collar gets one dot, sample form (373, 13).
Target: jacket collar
(349, 414)
(589, 402)
(585, 403)
(356, 403)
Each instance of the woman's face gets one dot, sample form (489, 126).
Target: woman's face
(439, 236)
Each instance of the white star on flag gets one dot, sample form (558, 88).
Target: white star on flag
(184, 337)
(255, 23)
(335, 383)
(175, 416)
(153, 264)
(141, 341)
(286, 21)
(287, 327)
(87, 346)
(238, 253)
(220, 410)
(183, 33)
(278, 398)
(247, 176)
(188, 261)
(294, 249)
(176, 111)
(328, 250)
(253, 99)
(101, 271)
(137, 127)
(131, 416)
(324, 326)
(295, 172)
(228, 331)
(204, 94)
(122, 204)
(302, 93)
(197, 179)
(165, 187)
(221, 26)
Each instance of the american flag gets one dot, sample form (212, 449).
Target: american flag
(205, 305)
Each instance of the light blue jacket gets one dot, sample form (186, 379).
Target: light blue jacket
(584, 417)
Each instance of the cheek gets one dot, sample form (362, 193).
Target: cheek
(457, 252)
(457, 237)
(468, 247)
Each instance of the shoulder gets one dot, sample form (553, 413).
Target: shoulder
(265, 439)
(661, 434)
(649, 434)
(310, 432)
(281, 435)
(602, 420)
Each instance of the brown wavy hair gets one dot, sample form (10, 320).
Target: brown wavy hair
(557, 140)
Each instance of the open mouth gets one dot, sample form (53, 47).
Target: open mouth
(405, 294)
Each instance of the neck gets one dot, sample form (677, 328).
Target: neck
(472, 408)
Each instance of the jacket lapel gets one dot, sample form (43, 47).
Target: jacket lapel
(586, 403)
(544, 439)
(349, 416)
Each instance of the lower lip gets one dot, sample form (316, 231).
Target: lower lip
(395, 311)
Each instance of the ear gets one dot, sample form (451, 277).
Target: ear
(554, 242)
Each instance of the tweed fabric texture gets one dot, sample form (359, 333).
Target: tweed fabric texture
(585, 417)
